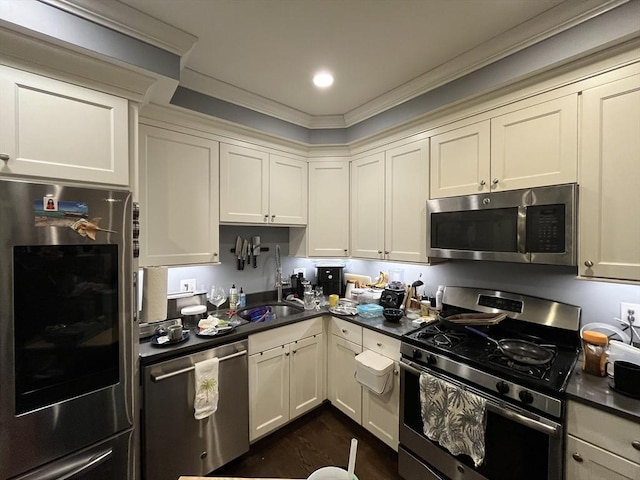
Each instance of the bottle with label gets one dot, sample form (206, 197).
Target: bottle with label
(233, 297)
(242, 302)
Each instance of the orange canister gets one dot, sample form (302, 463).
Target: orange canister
(594, 347)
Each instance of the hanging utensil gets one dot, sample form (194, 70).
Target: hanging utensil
(519, 350)
(239, 251)
(256, 250)
(245, 252)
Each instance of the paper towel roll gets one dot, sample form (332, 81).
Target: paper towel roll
(154, 294)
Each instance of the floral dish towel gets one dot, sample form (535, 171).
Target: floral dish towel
(205, 402)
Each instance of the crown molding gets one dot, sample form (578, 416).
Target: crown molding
(131, 22)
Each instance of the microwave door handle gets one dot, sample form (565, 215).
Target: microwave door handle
(521, 227)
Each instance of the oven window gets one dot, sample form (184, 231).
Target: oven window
(493, 230)
(66, 322)
(511, 449)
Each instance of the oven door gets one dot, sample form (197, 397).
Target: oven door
(66, 349)
(518, 444)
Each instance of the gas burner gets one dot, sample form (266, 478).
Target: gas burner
(441, 337)
(534, 371)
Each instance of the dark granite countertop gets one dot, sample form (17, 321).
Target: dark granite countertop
(597, 392)
(150, 353)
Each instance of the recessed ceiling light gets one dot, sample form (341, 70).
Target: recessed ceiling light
(323, 79)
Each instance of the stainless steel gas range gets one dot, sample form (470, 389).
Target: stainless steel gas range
(523, 395)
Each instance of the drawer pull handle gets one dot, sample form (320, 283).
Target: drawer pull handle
(636, 444)
(577, 457)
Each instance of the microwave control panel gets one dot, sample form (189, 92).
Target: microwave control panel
(546, 228)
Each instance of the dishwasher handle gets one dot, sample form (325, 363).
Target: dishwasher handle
(164, 376)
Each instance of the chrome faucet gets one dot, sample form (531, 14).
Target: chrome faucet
(279, 281)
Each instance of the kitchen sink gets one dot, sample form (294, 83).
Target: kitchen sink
(277, 310)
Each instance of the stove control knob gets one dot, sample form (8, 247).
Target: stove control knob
(525, 396)
(502, 387)
(431, 359)
(416, 353)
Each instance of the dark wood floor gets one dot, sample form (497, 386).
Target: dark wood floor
(318, 439)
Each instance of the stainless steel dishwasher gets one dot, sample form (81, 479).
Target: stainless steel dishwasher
(174, 442)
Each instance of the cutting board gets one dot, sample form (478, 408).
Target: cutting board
(359, 279)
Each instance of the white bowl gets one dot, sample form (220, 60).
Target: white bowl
(330, 473)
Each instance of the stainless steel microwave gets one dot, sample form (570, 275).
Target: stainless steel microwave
(534, 225)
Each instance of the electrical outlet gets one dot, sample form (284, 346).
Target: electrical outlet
(188, 285)
(300, 270)
(629, 312)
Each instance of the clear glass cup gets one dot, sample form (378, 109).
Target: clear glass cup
(218, 297)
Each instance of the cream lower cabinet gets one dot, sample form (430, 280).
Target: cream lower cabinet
(259, 187)
(524, 145)
(345, 393)
(609, 225)
(601, 446)
(380, 413)
(285, 380)
(57, 130)
(178, 198)
(389, 191)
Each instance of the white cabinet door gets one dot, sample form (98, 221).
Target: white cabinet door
(460, 161)
(328, 229)
(61, 131)
(345, 392)
(178, 198)
(367, 207)
(307, 374)
(585, 461)
(268, 391)
(609, 226)
(535, 146)
(406, 191)
(380, 413)
(244, 184)
(287, 191)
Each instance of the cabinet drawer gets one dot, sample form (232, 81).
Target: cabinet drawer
(268, 339)
(346, 330)
(382, 344)
(585, 460)
(603, 429)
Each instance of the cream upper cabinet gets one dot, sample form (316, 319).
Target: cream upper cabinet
(528, 146)
(367, 206)
(178, 198)
(406, 194)
(600, 445)
(609, 225)
(328, 230)
(261, 188)
(460, 160)
(388, 200)
(57, 130)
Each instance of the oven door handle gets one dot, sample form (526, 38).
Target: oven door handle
(550, 430)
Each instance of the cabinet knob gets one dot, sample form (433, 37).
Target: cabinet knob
(346, 250)
(294, 351)
(495, 181)
(273, 217)
(636, 444)
(588, 264)
(287, 354)
(379, 252)
(386, 252)
(203, 455)
(577, 457)
(215, 254)
(379, 344)
(266, 218)
(482, 183)
(344, 330)
(4, 157)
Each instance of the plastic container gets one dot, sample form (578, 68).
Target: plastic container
(374, 371)
(594, 348)
(439, 295)
(192, 315)
(370, 310)
(621, 351)
(242, 299)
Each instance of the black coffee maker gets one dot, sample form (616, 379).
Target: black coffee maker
(330, 279)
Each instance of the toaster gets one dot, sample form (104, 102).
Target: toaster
(392, 297)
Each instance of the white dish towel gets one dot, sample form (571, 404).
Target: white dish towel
(206, 400)
(453, 417)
